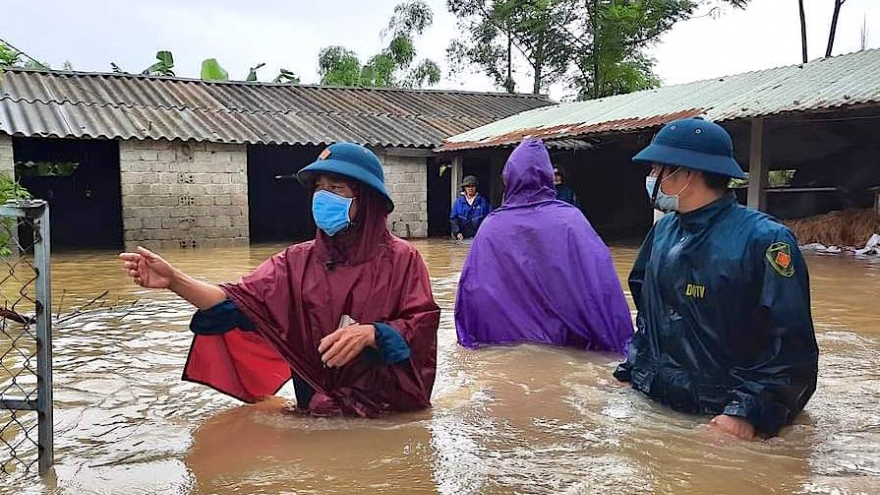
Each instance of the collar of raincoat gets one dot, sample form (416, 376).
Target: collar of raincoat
(700, 219)
(528, 175)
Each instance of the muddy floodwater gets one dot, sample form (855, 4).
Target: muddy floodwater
(510, 420)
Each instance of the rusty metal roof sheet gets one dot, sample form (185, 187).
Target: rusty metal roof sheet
(822, 84)
(122, 106)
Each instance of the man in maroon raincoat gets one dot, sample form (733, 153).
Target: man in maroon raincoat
(349, 316)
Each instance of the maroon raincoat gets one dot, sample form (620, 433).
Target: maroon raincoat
(298, 296)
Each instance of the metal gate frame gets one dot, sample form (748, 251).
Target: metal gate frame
(36, 212)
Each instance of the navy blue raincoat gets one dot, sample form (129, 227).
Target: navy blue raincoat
(724, 324)
(465, 219)
(565, 193)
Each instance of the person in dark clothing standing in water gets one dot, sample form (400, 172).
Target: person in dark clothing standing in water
(722, 291)
(469, 210)
(563, 191)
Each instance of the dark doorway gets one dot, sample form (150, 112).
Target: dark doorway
(610, 189)
(440, 190)
(81, 182)
(439, 199)
(479, 168)
(279, 209)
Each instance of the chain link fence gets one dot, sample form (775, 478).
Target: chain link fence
(25, 338)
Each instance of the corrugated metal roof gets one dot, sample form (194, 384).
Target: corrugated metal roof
(823, 84)
(121, 106)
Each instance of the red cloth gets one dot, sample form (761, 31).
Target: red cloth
(298, 296)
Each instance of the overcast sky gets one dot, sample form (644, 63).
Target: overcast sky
(93, 33)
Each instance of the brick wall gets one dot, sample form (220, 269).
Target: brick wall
(407, 181)
(183, 194)
(7, 165)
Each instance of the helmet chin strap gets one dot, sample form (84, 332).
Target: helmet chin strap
(657, 186)
(661, 178)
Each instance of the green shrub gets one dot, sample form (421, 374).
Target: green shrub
(9, 189)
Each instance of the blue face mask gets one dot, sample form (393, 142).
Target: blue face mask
(664, 202)
(331, 212)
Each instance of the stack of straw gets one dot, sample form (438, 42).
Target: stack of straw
(838, 228)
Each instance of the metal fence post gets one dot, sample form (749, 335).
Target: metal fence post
(42, 262)
(28, 261)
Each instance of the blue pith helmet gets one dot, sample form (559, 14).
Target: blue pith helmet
(694, 144)
(352, 161)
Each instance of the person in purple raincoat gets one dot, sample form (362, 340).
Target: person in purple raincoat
(537, 271)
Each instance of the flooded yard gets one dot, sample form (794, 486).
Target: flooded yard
(508, 420)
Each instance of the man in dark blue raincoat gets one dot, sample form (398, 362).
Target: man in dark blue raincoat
(469, 210)
(722, 292)
(563, 191)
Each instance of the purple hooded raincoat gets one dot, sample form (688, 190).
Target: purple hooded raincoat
(537, 271)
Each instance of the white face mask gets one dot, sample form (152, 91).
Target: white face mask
(663, 202)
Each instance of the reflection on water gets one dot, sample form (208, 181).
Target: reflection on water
(505, 420)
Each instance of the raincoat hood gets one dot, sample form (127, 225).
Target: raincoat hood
(528, 175)
(538, 272)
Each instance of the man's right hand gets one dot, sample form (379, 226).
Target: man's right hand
(148, 269)
(732, 425)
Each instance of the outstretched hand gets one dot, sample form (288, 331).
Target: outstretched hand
(148, 269)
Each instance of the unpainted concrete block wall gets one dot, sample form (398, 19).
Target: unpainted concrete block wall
(177, 194)
(407, 181)
(7, 164)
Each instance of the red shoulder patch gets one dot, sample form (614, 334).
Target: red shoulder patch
(783, 259)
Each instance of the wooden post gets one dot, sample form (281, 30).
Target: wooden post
(757, 195)
(456, 177)
(495, 191)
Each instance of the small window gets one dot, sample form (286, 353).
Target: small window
(775, 178)
(45, 169)
(780, 178)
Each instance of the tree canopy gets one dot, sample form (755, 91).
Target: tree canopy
(598, 47)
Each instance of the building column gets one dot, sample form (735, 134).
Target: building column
(456, 176)
(757, 194)
(496, 180)
(406, 177)
(7, 163)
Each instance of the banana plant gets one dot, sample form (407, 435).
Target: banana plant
(9, 57)
(164, 66)
(252, 74)
(286, 76)
(212, 71)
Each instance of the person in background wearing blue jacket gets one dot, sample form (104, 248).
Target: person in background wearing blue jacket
(722, 292)
(563, 191)
(469, 210)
